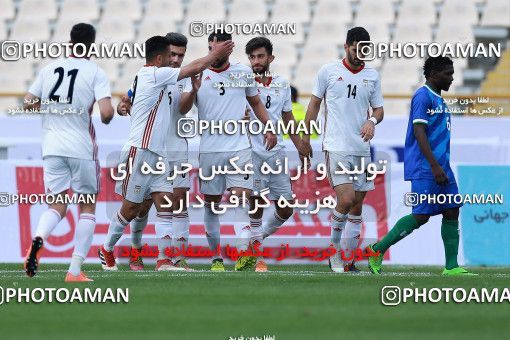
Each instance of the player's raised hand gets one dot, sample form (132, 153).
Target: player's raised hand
(196, 81)
(439, 175)
(269, 140)
(222, 49)
(368, 130)
(124, 106)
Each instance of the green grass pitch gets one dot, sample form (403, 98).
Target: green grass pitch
(291, 302)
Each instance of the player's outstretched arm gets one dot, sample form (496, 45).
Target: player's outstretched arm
(219, 50)
(106, 109)
(188, 98)
(261, 113)
(420, 134)
(31, 102)
(312, 112)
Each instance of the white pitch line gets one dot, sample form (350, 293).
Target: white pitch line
(195, 272)
(207, 273)
(42, 271)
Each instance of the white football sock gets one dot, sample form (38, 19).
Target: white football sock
(137, 225)
(164, 234)
(242, 227)
(181, 232)
(256, 230)
(76, 262)
(338, 221)
(117, 225)
(272, 225)
(351, 235)
(82, 240)
(212, 228)
(47, 222)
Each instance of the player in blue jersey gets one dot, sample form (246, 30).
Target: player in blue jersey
(427, 166)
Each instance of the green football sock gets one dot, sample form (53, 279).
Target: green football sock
(450, 235)
(402, 228)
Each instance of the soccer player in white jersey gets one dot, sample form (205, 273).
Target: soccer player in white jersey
(148, 137)
(177, 155)
(222, 96)
(350, 88)
(275, 93)
(69, 144)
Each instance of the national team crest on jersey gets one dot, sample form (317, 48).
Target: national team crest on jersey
(365, 82)
(277, 92)
(231, 76)
(137, 189)
(180, 88)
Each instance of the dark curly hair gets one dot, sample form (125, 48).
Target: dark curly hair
(435, 64)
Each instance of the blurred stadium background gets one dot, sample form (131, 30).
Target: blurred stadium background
(321, 28)
(480, 144)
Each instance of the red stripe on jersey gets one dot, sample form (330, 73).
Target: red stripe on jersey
(325, 118)
(150, 123)
(98, 176)
(92, 133)
(131, 154)
(328, 173)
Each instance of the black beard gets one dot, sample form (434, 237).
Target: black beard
(262, 72)
(219, 63)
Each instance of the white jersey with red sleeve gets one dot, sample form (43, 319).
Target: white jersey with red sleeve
(348, 94)
(276, 97)
(222, 97)
(68, 89)
(150, 114)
